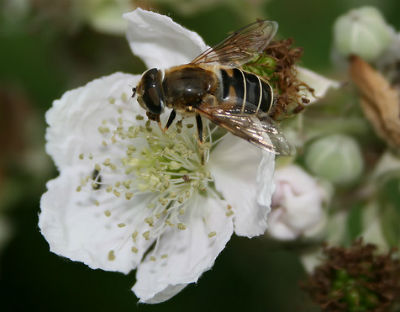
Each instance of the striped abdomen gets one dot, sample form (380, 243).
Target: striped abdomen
(246, 92)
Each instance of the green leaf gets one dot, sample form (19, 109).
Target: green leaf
(389, 196)
(354, 222)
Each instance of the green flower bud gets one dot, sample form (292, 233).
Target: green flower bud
(362, 32)
(336, 158)
(106, 15)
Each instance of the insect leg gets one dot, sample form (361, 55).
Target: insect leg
(154, 117)
(170, 120)
(199, 124)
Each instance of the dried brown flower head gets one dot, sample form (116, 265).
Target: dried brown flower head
(379, 100)
(355, 279)
(277, 65)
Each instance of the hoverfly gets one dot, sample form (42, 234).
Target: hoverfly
(213, 86)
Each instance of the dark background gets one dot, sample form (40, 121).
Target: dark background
(45, 53)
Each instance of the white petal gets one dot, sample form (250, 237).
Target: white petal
(319, 83)
(279, 229)
(190, 252)
(159, 41)
(74, 119)
(78, 229)
(243, 174)
(303, 211)
(298, 204)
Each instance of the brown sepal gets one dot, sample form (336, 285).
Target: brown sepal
(379, 100)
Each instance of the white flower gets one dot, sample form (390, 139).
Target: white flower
(297, 204)
(131, 197)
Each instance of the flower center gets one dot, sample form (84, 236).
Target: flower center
(166, 166)
(137, 158)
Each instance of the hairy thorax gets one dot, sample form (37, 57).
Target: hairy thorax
(186, 86)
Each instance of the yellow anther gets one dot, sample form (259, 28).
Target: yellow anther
(111, 100)
(79, 188)
(212, 234)
(81, 156)
(103, 130)
(164, 256)
(104, 143)
(116, 193)
(168, 222)
(111, 255)
(127, 183)
(109, 189)
(121, 225)
(97, 167)
(229, 213)
(174, 165)
(128, 195)
(146, 235)
(134, 236)
(181, 226)
(96, 202)
(107, 213)
(107, 162)
(134, 249)
(163, 201)
(152, 258)
(124, 97)
(149, 221)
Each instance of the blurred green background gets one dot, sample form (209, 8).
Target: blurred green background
(50, 46)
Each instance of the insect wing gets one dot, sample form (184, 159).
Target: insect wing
(240, 47)
(257, 129)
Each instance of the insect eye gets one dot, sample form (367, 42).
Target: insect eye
(133, 92)
(153, 96)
